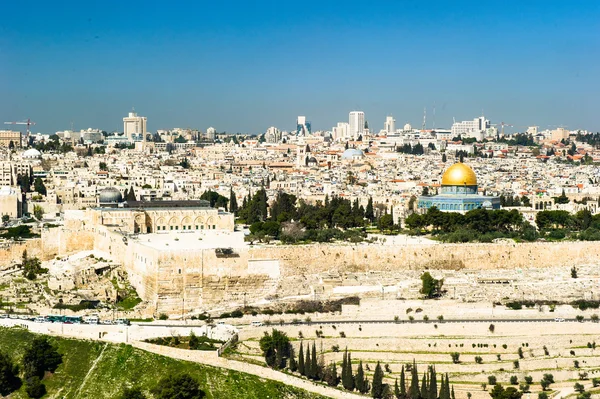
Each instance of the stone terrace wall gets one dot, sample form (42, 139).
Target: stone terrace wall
(310, 259)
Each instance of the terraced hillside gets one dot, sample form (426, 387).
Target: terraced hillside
(523, 349)
(97, 370)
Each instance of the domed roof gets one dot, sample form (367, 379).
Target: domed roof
(32, 153)
(459, 174)
(407, 127)
(352, 153)
(110, 195)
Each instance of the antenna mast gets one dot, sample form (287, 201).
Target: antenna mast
(424, 118)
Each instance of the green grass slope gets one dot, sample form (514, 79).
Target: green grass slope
(98, 370)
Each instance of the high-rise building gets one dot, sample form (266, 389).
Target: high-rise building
(134, 125)
(357, 124)
(303, 127)
(273, 135)
(475, 128)
(340, 132)
(390, 124)
(211, 133)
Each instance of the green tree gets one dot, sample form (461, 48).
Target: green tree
(40, 356)
(331, 376)
(38, 212)
(301, 369)
(347, 376)
(444, 158)
(307, 364)
(378, 387)
(275, 348)
(103, 166)
(132, 393)
(369, 213)
(9, 375)
(432, 391)
(414, 392)
(431, 287)
(402, 383)
(5, 218)
(34, 387)
(39, 186)
(314, 367)
(233, 206)
(360, 381)
(130, 195)
(178, 386)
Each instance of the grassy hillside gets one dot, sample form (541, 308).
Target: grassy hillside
(97, 370)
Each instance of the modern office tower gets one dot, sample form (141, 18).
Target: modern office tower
(211, 133)
(134, 125)
(302, 126)
(390, 124)
(357, 124)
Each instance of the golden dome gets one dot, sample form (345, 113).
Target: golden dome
(459, 174)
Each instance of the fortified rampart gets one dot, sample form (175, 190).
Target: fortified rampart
(196, 279)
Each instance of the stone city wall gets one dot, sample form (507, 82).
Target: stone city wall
(196, 279)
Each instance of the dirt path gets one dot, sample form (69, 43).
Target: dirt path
(262, 372)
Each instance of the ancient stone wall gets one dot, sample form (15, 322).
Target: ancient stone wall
(194, 279)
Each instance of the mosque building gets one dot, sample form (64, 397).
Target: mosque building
(459, 192)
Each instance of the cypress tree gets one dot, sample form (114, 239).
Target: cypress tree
(360, 382)
(402, 383)
(307, 363)
(414, 392)
(424, 393)
(369, 214)
(301, 361)
(433, 391)
(233, 207)
(453, 397)
(293, 363)
(397, 394)
(314, 369)
(442, 387)
(447, 390)
(347, 377)
(377, 389)
(344, 368)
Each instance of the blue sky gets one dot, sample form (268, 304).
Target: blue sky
(245, 66)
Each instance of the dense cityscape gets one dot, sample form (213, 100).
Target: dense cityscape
(275, 200)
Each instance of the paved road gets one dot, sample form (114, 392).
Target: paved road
(456, 321)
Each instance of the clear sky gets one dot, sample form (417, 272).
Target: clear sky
(242, 66)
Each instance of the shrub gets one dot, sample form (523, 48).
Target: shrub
(524, 387)
(504, 346)
(542, 395)
(478, 359)
(455, 357)
(596, 382)
(576, 364)
(520, 352)
(163, 316)
(516, 364)
(579, 387)
(492, 328)
(514, 380)
(492, 379)
(177, 386)
(528, 379)
(34, 387)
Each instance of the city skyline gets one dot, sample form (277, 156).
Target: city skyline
(244, 69)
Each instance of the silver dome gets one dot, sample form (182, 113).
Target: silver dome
(110, 195)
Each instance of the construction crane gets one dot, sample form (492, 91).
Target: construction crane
(28, 122)
(504, 124)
